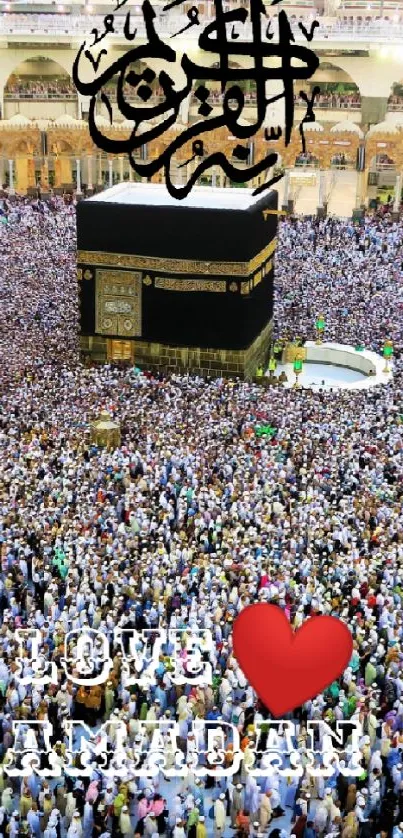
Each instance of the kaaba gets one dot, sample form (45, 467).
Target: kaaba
(177, 285)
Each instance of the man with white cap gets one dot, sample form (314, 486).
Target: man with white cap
(13, 828)
(360, 809)
(33, 819)
(125, 825)
(88, 820)
(51, 830)
(179, 829)
(265, 810)
(201, 830)
(321, 818)
(237, 803)
(219, 816)
(75, 829)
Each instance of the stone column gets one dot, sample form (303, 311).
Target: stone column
(320, 208)
(11, 174)
(100, 169)
(287, 205)
(360, 198)
(398, 192)
(269, 174)
(365, 186)
(45, 175)
(21, 174)
(66, 169)
(110, 165)
(320, 198)
(184, 109)
(89, 170)
(78, 177)
(121, 170)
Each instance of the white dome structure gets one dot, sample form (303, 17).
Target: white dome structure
(16, 121)
(312, 126)
(125, 125)
(102, 121)
(67, 121)
(383, 128)
(347, 126)
(128, 125)
(395, 118)
(145, 126)
(43, 124)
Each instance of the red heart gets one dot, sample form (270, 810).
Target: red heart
(284, 667)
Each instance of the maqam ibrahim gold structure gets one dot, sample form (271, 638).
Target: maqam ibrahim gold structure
(105, 432)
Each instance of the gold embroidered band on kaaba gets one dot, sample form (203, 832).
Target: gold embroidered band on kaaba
(172, 284)
(178, 266)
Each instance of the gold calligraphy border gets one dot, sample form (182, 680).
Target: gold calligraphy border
(171, 284)
(265, 270)
(177, 266)
(120, 325)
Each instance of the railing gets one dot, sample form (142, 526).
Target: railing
(332, 106)
(214, 100)
(307, 164)
(48, 23)
(395, 106)
(251, 101)
(42, 96)
(82, 25)
(343, 166)
(130, 96)
(384, 167)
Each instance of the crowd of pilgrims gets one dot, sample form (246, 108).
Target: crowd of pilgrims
(333, 99)
(191, 519)
(39, 88)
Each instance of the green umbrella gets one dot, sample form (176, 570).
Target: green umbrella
(265, 430)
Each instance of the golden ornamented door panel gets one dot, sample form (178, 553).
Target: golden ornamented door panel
(120, 350)
(118, 303)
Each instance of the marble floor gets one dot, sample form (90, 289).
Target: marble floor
(340, 190)
(322, 376)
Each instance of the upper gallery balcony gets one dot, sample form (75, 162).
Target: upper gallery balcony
(349, 29)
